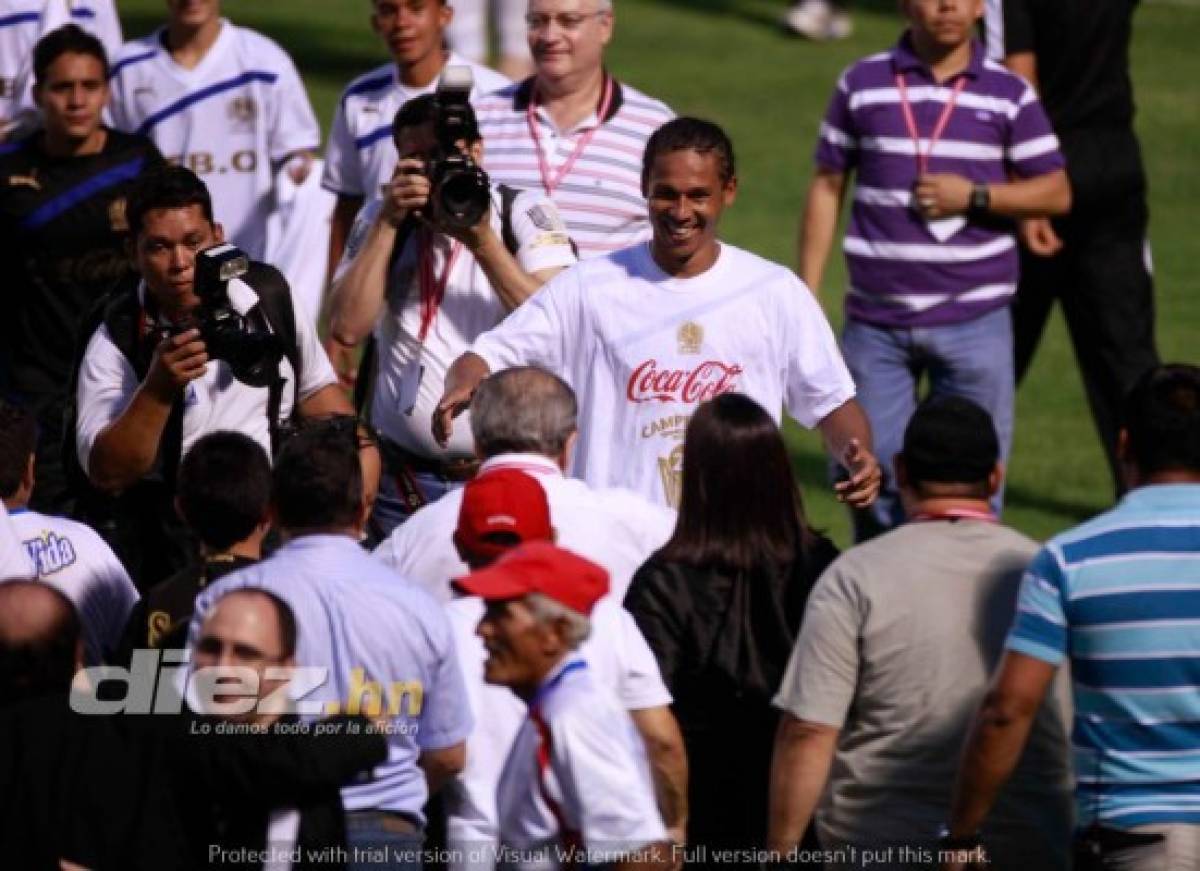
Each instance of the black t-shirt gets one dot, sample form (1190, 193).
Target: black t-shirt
(62, 235)
(1082, 51)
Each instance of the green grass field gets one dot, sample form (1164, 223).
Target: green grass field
(729, 61)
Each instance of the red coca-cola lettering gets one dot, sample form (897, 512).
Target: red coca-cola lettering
(710, 378)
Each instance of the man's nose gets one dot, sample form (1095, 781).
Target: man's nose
(182, 258)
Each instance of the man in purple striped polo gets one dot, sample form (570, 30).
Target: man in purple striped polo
(572, 131)
(948, 148)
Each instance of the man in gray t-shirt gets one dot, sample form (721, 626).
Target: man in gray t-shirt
(899, 638)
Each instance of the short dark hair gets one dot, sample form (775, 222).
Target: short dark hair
(740, 507)
(423, 110)
(318, 482)
(224, 488)
(950, 440)
(168, 187)
(689, 134)
(1162, 418)
(18, 441)
(36, 660)
(68, 39)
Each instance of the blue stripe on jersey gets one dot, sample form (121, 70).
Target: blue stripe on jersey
(83, 13)
(52, 208)
(367, 85)
(1135, 607)
(20, 18)
(1139, 539)
(1126, 736)
(1152, 673)
(130, 61)
(10, 147)
(203, 94)
(374, 136)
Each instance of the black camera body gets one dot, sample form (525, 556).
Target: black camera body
(460, 188)
(247, 345)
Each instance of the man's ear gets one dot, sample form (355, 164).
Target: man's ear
(564, 457)
(218, 233)
(900, 470)
(30, 476)
(995, 479)
(730, 191)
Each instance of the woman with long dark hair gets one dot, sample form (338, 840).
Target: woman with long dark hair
(721, 605)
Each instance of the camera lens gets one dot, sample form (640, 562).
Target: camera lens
(463, 196)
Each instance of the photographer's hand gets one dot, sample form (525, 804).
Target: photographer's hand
(178, 360)
(407, 193)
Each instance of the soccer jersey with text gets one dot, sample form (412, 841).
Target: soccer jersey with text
(361, 155)
(642, 349)
(242, 109)
(593, 172)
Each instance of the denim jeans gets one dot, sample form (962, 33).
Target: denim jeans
(377, 841)
(973, 359)
(391, 509)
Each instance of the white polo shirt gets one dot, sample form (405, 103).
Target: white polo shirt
(73, 559)
(642, 349)
(620, 660)
(231, 119)
(361, 156)
(216, 401)
(595, 786)
(614, 528)
(411, 372)
(15, 564)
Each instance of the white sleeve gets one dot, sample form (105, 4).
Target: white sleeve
(317, 370)
(116, 594)
(293, 124)
(641, 684)
(343, 170)
(817, 380)
(358, 236)
(604, 786)
(107, 383)
(539, 331)
(541, 233)
(15, 564)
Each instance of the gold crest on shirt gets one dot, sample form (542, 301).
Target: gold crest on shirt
(116, 215)
(691, 337)
(670, 469)
(242, 111)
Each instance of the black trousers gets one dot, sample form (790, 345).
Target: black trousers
(1101, 277)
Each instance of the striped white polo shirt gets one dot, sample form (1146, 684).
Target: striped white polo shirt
(600, 197)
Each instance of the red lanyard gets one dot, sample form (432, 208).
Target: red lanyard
(550, 180)
(433, 290)
(569, 836)
(954, 514)
(910, 120)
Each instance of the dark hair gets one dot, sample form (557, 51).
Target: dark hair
(224, 488)
(689, 134)
(288, 633)
(423, 110)
(169, 187)
(18, 441)
(68, 39)
(950, 440)
(35, 660)
(1162, 418)
(741, 507)
(318, 482)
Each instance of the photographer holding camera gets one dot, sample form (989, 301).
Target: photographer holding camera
(436, 262)
(205, 341)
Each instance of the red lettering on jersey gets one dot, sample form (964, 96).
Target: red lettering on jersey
(711, 378)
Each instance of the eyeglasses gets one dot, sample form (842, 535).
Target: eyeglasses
(568, 21)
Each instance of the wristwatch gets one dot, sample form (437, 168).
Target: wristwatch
(981, 199)
(972, 843)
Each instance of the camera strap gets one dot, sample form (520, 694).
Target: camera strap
(551, 180)
(433, 288)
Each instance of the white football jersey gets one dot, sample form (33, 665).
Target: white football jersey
(361, 155)
(76, 561)
(240, 112)
(24, 22)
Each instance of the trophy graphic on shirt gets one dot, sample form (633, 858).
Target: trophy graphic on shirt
(670, 469)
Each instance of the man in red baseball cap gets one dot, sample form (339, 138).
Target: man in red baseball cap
(499, 511)
(577, 768)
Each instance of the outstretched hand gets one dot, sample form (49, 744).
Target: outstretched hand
(862, 487)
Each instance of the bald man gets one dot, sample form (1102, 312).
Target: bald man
(40, 642)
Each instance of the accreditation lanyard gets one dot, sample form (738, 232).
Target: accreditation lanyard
(910, 120)
(569, 836)
(954, 514)
(551, 180)
(433, 288)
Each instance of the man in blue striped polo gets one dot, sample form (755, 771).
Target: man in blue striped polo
(948, 148)
(1120, 597)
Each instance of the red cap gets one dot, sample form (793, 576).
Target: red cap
(505, 501)
(539, 567)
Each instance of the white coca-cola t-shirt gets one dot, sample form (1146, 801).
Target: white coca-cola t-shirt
(642, 349)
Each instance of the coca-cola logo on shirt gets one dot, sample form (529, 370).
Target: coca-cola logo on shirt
(649, 383)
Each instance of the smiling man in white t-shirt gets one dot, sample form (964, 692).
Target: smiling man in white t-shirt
(645, 334)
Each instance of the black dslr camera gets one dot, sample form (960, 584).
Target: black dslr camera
(459, 187)
(247, 344)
